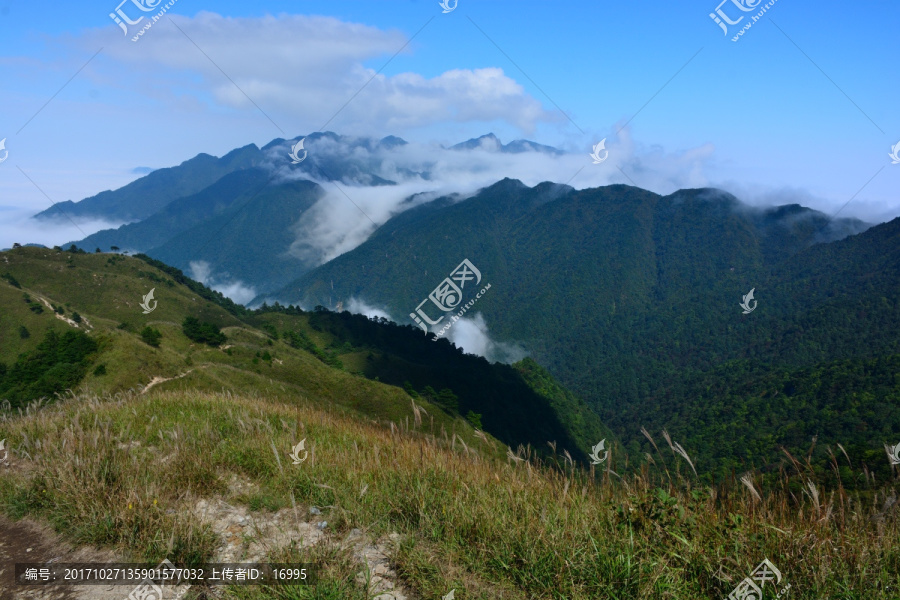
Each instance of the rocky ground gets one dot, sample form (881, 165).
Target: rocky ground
(245, 537)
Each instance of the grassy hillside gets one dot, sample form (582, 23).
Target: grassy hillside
(131, 472)
(518, 404)
(105, 291)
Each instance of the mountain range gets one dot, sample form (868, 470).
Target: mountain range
(630, 299)
(239, 217)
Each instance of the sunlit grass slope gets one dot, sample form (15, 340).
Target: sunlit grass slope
(123, 472)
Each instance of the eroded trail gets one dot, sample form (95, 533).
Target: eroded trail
(157, 380)
(28, 542)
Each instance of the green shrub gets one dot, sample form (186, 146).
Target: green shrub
(449, 401)
(203, 332)
(58, 363)
(151, 336)
(11, 280)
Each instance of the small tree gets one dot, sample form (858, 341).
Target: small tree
(448, 400)
(76, 317)
(23, 332)
(97, 251)
(204, 333)
(474, 419)
(151, 336)
(408, 388)
(114, 248)
(11, 280)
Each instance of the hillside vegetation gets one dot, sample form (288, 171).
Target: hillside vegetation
(131, 471)
(180, 448)
(196, 339)
(631, 301)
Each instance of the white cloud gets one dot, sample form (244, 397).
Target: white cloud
(469, 334)
(237, 291)
(472, 336)
(870, 211)
(360, 307)
(345, 216)
(200, 271)
(302, 69)
(17, 226)
(234, 289)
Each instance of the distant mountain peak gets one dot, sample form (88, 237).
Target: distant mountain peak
(392, 141)
(492, 143)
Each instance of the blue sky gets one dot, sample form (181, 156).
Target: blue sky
(803, 108)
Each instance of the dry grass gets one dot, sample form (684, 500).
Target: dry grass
(121, 471)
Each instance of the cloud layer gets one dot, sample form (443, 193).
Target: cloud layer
(17, 226)
(304, 69)
(232, 288)
(348, 213)
(469, 334)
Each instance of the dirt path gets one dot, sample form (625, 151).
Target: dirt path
(158, 380)
(58, 316)
(26, 541)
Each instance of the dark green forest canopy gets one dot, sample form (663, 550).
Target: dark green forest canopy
(631, 300)
(519, 403)
(58, 363)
